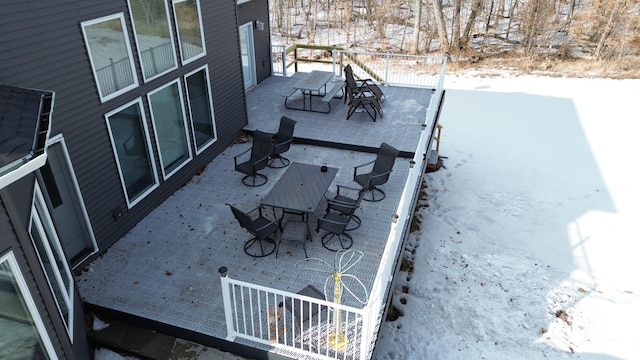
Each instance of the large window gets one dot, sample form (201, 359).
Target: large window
(22, 333)
(170, 127)
(201, 108)
(153, 36)
(110, 55)
(130, 140)
(189, 24)
(52, 259)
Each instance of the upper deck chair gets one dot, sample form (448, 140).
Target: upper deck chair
(379, 174)
(260, 151)
(363, 86)
(357, 100)
(262, 244)
(281, 143)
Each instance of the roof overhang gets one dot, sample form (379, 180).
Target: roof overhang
(23, 170)
(25, 122)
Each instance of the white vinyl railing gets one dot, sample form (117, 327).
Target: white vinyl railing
(384, 68)
(312, 336)
(295, 325)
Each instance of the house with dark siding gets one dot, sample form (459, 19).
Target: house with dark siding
(107, 108)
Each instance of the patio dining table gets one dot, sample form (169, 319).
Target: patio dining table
(300, 189)
(314, 83)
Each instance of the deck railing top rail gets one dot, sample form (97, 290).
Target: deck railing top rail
(384, 68)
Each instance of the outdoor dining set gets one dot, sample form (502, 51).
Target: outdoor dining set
(360, 95)
(299, 192)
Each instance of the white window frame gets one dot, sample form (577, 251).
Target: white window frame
(29, 302)
(135, 84)
(171, 41)
(85, 214)
(156, 183)
(40, 221)
(177, 29)
(211, 109)
(181, 101)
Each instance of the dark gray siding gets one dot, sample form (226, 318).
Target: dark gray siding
(252, 11)
(42, 47)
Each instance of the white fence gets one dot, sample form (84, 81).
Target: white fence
(296, 325)
(384, 68)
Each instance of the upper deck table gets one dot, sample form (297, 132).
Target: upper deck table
(314, 83)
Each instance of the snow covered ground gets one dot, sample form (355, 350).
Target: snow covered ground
(528, 240)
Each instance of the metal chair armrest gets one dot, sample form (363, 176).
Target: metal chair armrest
(355, 168)
(276, 146)
(274, 221)
(380, 175)
(235, 158)
(344, 222)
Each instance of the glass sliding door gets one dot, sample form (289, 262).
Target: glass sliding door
(248, 55)
(201, 108)
(170, 127)
(22, 332)
(130, 141)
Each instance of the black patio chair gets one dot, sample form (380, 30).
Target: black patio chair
(346, 201)
(357, 100)
(379, 174)
(335, 225)
(262, 244)
(362, 85)
(304, 310)
(259, 156)
(281, 143)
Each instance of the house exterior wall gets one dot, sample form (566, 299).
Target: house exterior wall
(258, 10)
(14, 220)
(43, 47)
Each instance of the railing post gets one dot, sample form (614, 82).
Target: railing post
(284, 60)
(387, 65)
(333, 57)
(226, 301)
(367, 332)
(114, 74)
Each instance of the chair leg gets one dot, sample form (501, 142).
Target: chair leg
(262, 179)
(283, 162)
(373, 191)
(252, 244)
(356, 220)
(345, 240)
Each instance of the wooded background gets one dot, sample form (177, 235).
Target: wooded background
(564, 29)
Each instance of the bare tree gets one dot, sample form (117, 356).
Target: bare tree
(476, 6)
(455, 24)
(440, 24)
(415, 37)
(611, 17)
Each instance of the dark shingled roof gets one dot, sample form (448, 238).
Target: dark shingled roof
(22, 114)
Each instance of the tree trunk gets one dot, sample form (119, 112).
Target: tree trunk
(415, 37)
(612, 21)
(440, 25)
(476, 6)
(455, 27)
